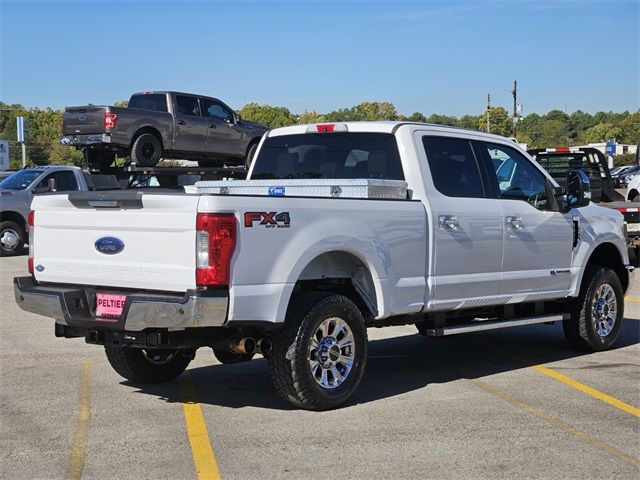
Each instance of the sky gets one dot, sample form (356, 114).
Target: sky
(436, 56)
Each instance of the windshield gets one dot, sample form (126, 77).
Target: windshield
(329, 155)
(20, 180)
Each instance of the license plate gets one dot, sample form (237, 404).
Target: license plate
(109, 305)
(633, 227)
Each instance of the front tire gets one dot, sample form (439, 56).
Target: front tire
(12, 238)
(146, 150)
(597, 315)
(319, 356)
(148, 365)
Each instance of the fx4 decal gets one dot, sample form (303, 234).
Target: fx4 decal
(268, 219)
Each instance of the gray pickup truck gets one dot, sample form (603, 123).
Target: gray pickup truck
(160, 124)
(17, 191)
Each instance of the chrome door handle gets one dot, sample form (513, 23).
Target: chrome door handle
(515, 222)
(213, 125)
(449, 222)
(181, 122)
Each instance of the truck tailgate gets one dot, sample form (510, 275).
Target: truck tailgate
(158, 234)
(83, 120)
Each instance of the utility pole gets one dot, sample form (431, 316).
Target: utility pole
(515, 106)
(488, 113)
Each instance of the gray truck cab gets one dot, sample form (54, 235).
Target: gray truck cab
(16, 193)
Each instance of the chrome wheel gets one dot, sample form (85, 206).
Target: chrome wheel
(9, 239)
(604, 310)
(331, 353)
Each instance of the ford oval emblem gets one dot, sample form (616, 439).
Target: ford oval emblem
(82, 118)
(109, 245)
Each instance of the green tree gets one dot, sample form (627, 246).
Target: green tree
(500, 122)
(342, 115)
(417, 117)
(579, 122)
(311, 117)
(551, 133)
(270, 116)
(630, 129)
(601, 133)
(442, 120)
(121, 103)
(472, 122)
(375, 111)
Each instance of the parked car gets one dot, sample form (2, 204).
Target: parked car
(16, 193)
(340, 227)
(159, 124)
(623, 178)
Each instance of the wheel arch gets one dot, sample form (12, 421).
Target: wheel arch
(337, 271)
(147, 129)
(13, 216)
(607, 255)
(631, 194)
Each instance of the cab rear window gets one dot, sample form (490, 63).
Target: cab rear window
(154, 101)
(329, 155)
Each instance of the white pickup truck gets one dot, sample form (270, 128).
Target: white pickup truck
(340, 227)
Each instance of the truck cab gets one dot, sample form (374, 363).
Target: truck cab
(17, 192)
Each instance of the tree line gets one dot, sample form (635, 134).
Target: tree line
(553, 129)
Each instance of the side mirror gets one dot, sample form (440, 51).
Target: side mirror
(237, 118)
(578, 189)
(52, 187)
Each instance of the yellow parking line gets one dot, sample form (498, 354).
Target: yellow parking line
(565, 427)
(597, 394)
(203, 456)
(79, 447)
(632, 299)
(603, 397)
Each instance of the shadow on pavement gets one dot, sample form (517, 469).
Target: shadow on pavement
(400, 365)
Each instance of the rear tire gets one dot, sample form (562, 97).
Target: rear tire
(319, 356)
(148, 365)
(146, 150)
(598, 312)
(12, 238)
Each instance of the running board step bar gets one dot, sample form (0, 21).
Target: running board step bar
(491, 325)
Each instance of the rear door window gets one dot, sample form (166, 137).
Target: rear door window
(453, 165)
(187, 105)
(329, 155)
(154, 101)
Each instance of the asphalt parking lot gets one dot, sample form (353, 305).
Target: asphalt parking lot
(515, 403)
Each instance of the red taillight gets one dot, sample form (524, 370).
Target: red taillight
(110, 120)
(31, 218)
(215, 243)
(325, 128)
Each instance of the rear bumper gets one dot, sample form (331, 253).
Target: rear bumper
(85, 140)
(75, 306)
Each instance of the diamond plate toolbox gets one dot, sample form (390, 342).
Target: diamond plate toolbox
(331, 188)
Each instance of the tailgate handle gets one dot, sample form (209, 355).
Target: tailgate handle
(120, 200)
